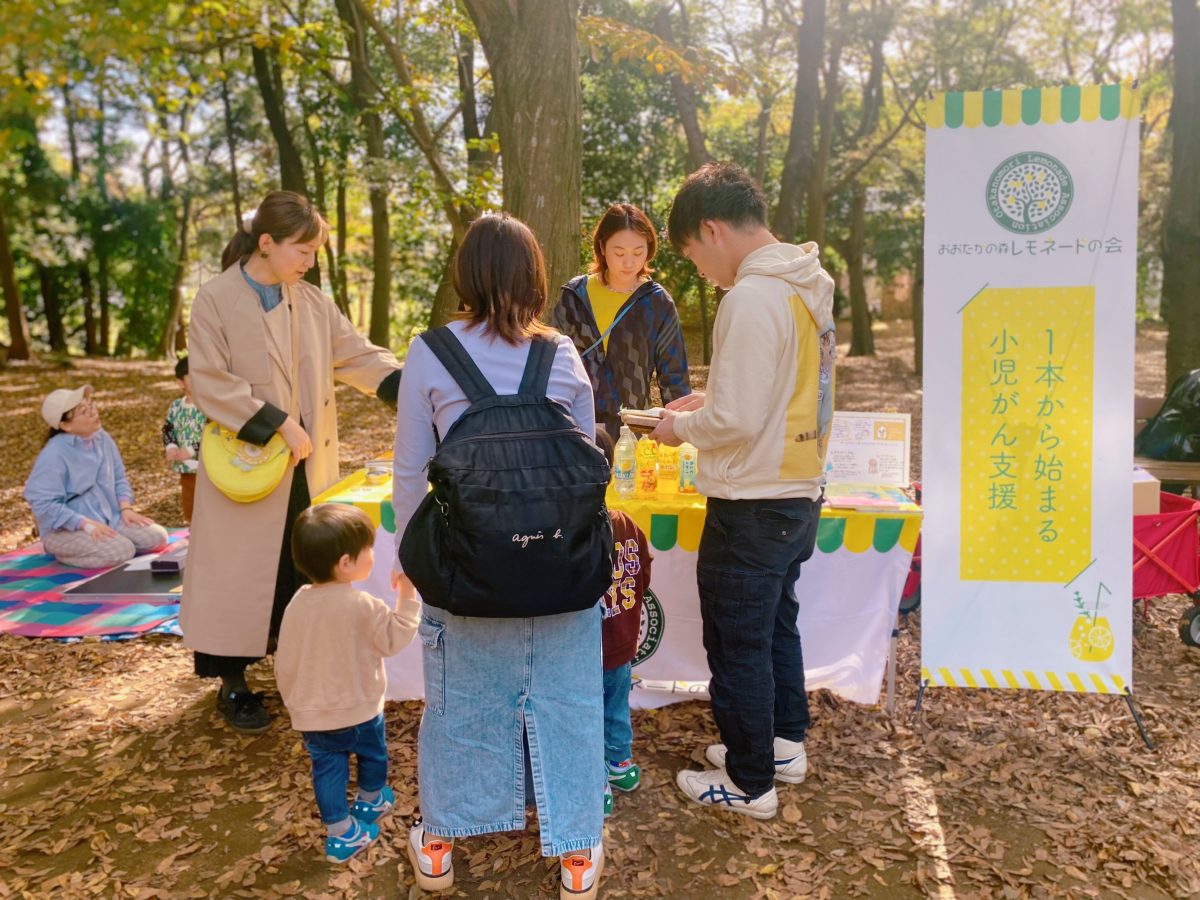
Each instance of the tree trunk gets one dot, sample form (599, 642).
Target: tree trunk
(83, 267)
(685, 95)
(361, 95)
(862, 341)
(230, 141)
(342, 288)
(54, 324)
(18, 328)
(99, 241)
(532, 48)
(318, 164)
(814, 224)
(446, 301)
(798, 162)
(269, 75)
(172, 327)
(1181, 262)
(169, 341)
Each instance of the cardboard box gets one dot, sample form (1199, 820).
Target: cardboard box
(1146, 489)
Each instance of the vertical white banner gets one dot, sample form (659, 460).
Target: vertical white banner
(1030, 279)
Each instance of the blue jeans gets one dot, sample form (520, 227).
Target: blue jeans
(330, 752)
(749, 560)
(618, 732)
(494, 687)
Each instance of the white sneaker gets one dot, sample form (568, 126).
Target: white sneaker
(715, 788)
(791, 762)
(580, 873)
(430, 858)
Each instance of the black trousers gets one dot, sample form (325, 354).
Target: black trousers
(288, 580)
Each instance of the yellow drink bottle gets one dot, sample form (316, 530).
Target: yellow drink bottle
(689, 458)
(668, 469)
(647, 477)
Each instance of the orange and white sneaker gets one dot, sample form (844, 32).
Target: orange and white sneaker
(430, 858)
(581, 873)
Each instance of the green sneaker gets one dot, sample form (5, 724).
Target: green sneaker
(624, 776)
(608, 801)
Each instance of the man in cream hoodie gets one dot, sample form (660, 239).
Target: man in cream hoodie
(762, 427)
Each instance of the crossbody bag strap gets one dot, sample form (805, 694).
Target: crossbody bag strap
(451, 354)
(294, 328)
(613, 323)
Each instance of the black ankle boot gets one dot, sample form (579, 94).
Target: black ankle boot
(243, 709)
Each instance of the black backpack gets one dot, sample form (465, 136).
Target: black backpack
(516, 524)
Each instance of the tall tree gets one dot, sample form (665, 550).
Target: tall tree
(18, 328)
(1181, 261)
(172, 326)
(268, 72)
(532, 48)
(362, 95)
(797, 164)
(82, 266)
(683, 91)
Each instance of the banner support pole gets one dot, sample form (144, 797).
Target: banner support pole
(1128, 695)
(891, 668)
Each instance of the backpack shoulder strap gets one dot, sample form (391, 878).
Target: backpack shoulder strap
(451, 354)
(537, 367)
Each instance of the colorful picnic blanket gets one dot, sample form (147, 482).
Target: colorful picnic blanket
(32, 602)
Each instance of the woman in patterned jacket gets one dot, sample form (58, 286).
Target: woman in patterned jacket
(623, 323)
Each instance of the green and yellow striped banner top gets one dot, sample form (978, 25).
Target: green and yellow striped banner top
(1029, 106)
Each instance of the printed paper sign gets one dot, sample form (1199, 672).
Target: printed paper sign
(869, 448)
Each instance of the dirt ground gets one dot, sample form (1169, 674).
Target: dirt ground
(117, 778)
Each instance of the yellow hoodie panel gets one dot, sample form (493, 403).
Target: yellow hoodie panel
(803, 455)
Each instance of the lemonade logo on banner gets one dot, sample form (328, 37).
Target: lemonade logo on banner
(1030, 271)
(1026, 435)
(1029, 193)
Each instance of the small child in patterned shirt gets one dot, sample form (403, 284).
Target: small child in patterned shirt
(181, 432)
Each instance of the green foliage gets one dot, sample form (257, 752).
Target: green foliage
(145, 82)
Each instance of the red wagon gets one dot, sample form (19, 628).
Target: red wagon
(1166, 557)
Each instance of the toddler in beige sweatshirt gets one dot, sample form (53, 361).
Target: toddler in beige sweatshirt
(329, 668)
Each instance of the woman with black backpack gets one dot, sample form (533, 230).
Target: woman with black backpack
(510, 555)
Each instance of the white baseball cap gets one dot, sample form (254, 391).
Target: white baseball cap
(58, 403)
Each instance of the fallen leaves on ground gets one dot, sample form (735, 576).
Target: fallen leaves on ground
(118, 779)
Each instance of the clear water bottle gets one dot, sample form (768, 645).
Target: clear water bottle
(625, 463)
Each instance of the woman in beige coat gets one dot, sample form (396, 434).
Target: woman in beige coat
(240, 575)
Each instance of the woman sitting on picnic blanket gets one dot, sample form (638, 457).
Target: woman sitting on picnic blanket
(240, 573)
(78, 490)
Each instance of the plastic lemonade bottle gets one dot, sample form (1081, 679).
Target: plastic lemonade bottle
(688, 458)
(625, 463)
(668, 469)
(647, 476)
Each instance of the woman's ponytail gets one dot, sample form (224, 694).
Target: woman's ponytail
(240, 246)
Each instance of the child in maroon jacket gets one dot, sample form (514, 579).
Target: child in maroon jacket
(622, 622)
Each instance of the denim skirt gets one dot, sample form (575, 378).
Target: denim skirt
(491, 685)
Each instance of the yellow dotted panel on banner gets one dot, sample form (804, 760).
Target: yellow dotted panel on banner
(1089, 102)
(1027, 370)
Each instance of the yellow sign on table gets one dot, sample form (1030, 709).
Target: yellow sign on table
(1027, 422)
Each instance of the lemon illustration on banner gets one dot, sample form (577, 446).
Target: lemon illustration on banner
(1091, 639)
